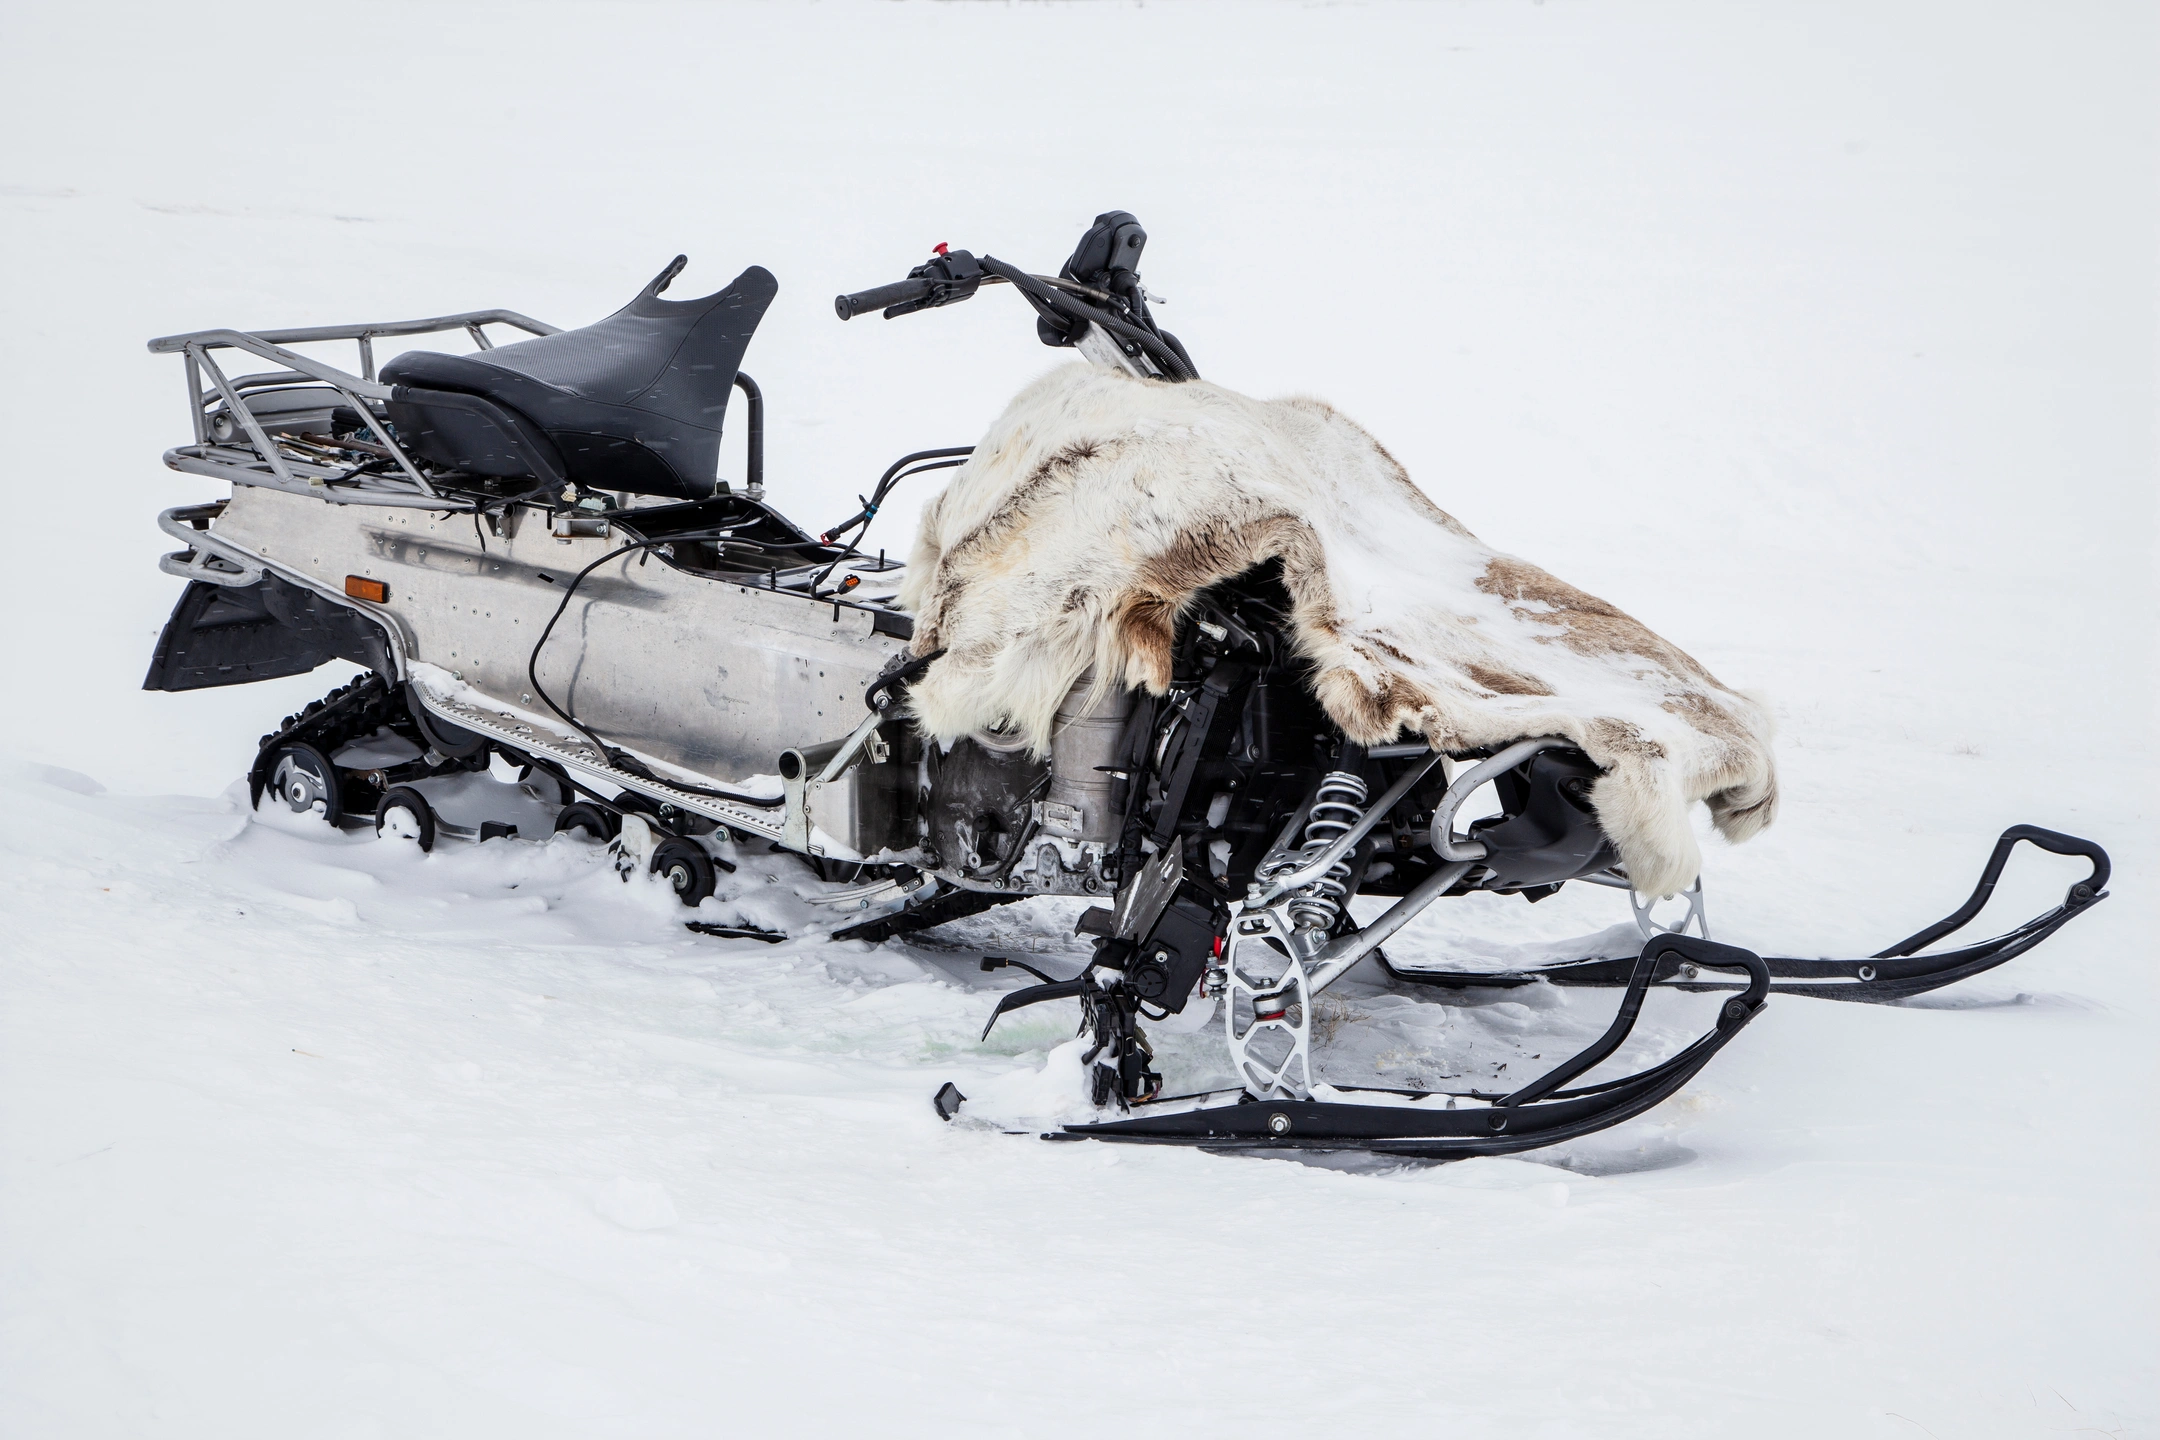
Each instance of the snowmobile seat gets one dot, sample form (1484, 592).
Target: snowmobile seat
(632, 403)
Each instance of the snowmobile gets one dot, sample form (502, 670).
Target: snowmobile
(558, 601)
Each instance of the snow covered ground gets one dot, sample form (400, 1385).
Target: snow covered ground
(1818, 337)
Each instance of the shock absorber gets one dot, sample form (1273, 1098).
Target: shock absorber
(1336, 809)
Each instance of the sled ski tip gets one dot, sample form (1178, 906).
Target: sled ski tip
(948, 1101)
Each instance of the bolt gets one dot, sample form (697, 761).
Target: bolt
(1278, 1123)
(1867, 972)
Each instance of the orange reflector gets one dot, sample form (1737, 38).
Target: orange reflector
(850, 583)
(362, 588)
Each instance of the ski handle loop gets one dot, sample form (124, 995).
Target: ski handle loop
(1688, 948)
(2083, 893)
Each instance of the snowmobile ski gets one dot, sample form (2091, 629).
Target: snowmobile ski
(1894, 973)
(1444, 1125)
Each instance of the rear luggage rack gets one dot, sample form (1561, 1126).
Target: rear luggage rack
(290, 467)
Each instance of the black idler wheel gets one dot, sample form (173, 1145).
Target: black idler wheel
(403, 813)
(687, 869)
(303, 777)
(583, 815)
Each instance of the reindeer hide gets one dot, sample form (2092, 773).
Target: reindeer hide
(1099, 504)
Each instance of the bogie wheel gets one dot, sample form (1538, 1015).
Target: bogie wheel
(600, 824)
(303, 777)
(404, 814)
(687, 869)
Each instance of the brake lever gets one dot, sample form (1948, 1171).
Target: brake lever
(955, 276)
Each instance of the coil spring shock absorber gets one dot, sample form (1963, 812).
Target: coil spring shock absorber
(1336, 809)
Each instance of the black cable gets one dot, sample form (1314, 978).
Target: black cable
(614, 755)
(872, 505)
(892, 477)
(1048, 300)
(876, 500)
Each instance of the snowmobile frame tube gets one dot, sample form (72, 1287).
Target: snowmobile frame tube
(1539, 1113)
(201, 560)
(1333, 962)
(1445, 841)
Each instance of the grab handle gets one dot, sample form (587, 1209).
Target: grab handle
(1690, 949)
(878, 297)
(2083, 893)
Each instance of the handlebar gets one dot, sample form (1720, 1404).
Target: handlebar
(1070, 307)
(947, 276)
(878, 297)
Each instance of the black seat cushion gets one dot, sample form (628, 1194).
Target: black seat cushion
(633, 403)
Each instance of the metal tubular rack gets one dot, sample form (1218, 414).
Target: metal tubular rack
(285, 467)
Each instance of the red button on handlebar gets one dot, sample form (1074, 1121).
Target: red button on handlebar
(940, 248)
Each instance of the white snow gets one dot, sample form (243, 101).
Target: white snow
(1820, 339)
(638, 1204)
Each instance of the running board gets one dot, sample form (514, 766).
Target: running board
(1442, 1126)
(1892, 974)
(576, 756)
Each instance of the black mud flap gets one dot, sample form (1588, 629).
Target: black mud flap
(235, 635)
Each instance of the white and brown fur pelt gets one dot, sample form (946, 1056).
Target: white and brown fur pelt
(1100, 504)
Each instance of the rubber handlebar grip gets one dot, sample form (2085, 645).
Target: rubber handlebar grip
(880, 296)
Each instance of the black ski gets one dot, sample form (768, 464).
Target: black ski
(1540, 1113)
(1895, 973)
